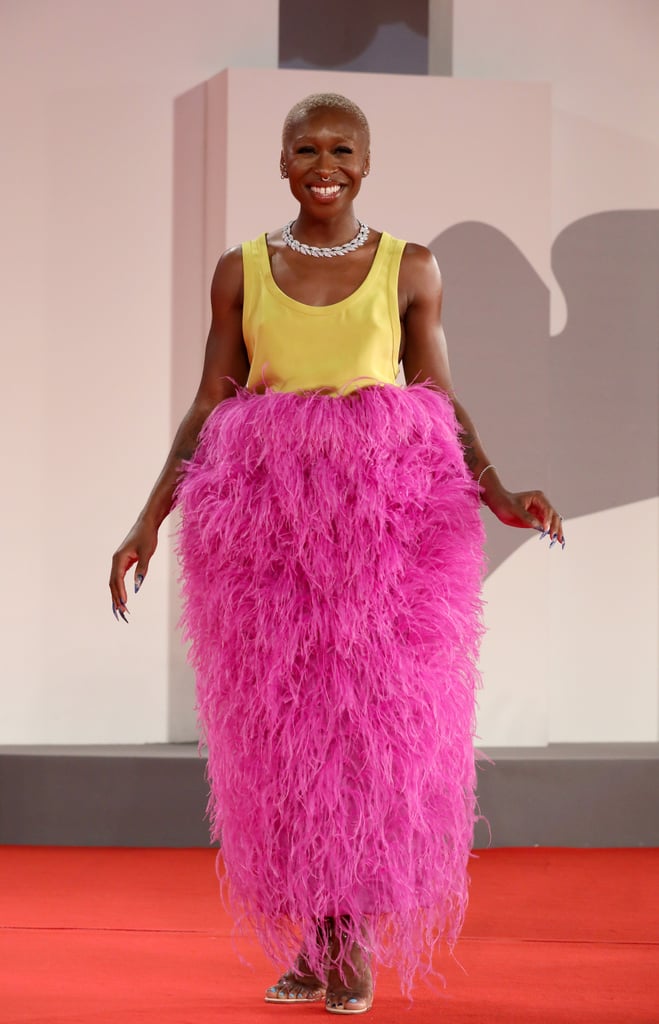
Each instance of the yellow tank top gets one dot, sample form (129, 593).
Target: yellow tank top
(341, 347)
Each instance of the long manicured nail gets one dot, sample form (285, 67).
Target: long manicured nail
(552, 543)
(544, 534)
(114, 611)
(139, 580)
(121, 612)
(563, 544)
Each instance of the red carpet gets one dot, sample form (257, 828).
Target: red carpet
(139, 937)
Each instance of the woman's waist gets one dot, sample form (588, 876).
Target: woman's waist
(306, 384)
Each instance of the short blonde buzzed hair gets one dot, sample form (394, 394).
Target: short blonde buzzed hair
(326, 101)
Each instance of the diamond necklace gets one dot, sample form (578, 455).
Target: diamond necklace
(328, 250)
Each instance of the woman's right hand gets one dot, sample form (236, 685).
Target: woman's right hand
(225, 367)
(138, 547)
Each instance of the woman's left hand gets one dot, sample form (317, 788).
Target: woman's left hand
(530, 509)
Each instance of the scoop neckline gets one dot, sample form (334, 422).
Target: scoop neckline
(296, 304)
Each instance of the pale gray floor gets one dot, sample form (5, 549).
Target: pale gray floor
(583, 795)
(553, 752)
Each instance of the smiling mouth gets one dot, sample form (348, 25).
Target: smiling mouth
(325, 191)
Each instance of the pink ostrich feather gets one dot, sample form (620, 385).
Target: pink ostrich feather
(332, 563)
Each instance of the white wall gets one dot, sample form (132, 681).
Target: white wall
(86, 114)
(600, 622)
(600, 57)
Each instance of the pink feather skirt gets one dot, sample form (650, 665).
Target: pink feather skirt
(331, 552)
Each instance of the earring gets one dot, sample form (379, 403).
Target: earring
(364, 174)
(282, 170)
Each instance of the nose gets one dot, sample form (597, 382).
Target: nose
(325, 165)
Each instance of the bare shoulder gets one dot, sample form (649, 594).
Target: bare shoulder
(227, 285)
(419, 273)
(419, 259)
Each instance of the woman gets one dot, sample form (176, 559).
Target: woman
(331, 551)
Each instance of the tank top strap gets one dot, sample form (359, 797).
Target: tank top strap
(392, 253)
(253, 277)
(391, 250)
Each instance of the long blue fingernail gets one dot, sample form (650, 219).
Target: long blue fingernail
(121, 612)
(544, 534)
(114, 612)
(563, 544)
(552, 543)
(139, 580)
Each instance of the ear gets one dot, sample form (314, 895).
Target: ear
(282, 165)
(367, 164)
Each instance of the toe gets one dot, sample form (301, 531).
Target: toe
(287, 989)
(346, 1002)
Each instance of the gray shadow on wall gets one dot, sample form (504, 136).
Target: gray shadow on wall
(575, 414)
(496, 316)
(605, 408)
(388, 36)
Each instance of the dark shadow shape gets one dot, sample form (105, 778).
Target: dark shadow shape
(496, 316)
(576, 414)
(331, 37)
(604, 365)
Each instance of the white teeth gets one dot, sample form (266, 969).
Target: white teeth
(325, 190)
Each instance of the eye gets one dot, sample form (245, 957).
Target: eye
(343, 149)
(304, 149)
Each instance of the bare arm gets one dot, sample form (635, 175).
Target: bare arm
(225, 358)
(426, 358)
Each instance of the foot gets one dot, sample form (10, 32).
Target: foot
(299, 985)
(355, 993)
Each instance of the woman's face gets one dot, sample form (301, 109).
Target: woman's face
(325, 144)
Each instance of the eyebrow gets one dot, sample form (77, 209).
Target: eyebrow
(310, 138)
